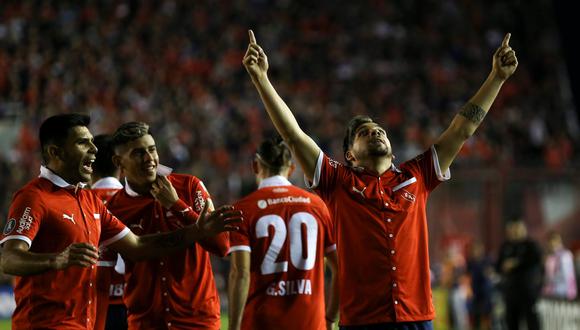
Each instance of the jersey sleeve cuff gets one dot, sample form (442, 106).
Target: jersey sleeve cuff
(330, 248)
(239, 248)
(317, 172)
(20, 237)
(440, 175)
(117, 237)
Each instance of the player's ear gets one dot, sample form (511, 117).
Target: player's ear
(291, 169)
(349, 156)
(255, 166)
(54, 152)
(116, 159)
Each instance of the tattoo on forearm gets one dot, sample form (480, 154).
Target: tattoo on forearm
(473, 113)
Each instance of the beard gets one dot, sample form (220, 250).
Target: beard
(379, 150)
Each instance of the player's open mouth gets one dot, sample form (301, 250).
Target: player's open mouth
(88, 165)
(151, 168)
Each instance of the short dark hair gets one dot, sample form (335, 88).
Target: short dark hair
(55, 129)
(274, 154)
(351, 128)
(103, 165)
(128, 132)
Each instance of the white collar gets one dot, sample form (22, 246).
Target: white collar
(273, 181)
(107, 183)
(130, 190)
(48, 174)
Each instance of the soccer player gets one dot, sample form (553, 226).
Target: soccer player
(54, 226)
(111, 312)
(277, 258)
(176, 290)
(379, 209)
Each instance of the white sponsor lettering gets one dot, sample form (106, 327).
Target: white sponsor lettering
(290, 288)
(25, 221)
(288, 199)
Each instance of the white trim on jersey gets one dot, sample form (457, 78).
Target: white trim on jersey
(317, 173)
(117, 237)
(441, 176)
(20, 237)
(240, 248)
(404, 183)
(101, 263)
(330, 248)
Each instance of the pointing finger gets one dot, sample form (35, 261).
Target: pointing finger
(506, 40)
(252, 37)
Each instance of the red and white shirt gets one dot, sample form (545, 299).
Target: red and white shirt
(110, 283)
(382, 237)
(177, 291)
(287, 230)
(49, 214)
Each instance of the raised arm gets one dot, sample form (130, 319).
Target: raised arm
(472, 113)
(303, 147)
(159, 245)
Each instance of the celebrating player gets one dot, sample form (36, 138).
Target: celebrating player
(379, 209)
(176, 290)
(277, 257)
(111, 313)
(55, 225)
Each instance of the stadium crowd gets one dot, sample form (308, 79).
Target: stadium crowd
(177, 65)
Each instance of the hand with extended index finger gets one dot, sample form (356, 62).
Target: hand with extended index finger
(505, 61)
(255, 60)
(77, 254)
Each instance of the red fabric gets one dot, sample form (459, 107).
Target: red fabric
(382, 278)
(177, 290)
(53, 218)
(291, 299)
(110, 284)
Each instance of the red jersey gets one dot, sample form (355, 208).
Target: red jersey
(287, 230)
(177, 291)
(382, 238)
(49, 214)
(110, 284)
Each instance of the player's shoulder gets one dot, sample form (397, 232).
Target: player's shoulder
(183, 180)
(35, 188)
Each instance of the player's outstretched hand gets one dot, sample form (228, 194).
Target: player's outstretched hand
(162, 190)
(505, 61)
(225, 218)
(255, 60)
(77, 254)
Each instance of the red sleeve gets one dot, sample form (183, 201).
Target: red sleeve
(426, 167)
(240, 240)
(112, 229)
(24, 217)
(219, 244)
(327, 174)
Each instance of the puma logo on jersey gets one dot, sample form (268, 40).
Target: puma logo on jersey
(71, 217)
(361, 192)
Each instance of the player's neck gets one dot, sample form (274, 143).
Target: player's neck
(143, 189)
(377, 165)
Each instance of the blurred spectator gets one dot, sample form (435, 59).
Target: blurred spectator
(480, 270)
(560, 280)
(520, 267)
